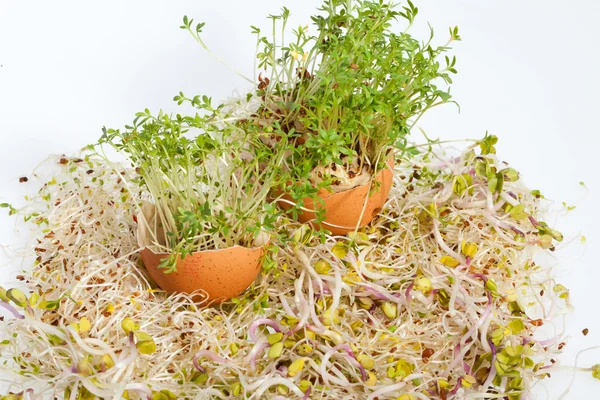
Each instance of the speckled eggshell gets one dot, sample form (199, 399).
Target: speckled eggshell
(344, 208)
(222, 274)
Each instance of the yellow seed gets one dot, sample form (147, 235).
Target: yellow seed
(303, 385)
(372, 380)
(289, 321)
(449, 261)
(75, 326)
(84, 325)
(468, 381)
(108, 361)
(125, 395)
(340, 250)
(309, 334)
(390, 309)
(289, 343)
(304, 349)
(403, 368)
(469, 249)
(356, 325)
(351, 278)
(237, 389)
(146, 346)
(424, 285)
(128, 325)
(391, 372)
(444, 384)
(406, 396)
(296, 367)
(331, 317)
(366, 361)
(282, 389)
(275, 337)
(110, 308)
(276, 350)
(333, 336)
(234, 348)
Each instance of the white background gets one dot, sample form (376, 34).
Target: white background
(528, 72)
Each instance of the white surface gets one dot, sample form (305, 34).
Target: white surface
(527, 73)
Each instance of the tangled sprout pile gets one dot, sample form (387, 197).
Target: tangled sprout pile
(438, 298)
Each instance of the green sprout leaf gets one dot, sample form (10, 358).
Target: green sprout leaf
(17, 297)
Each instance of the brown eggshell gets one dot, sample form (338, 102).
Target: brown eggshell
(343, 209)
(220, 274)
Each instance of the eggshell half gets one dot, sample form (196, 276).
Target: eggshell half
(217, 275)
(343, 209)
(221, 274)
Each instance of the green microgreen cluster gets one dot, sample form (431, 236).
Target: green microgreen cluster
(338, 101)
(208, 179)
(350, 87)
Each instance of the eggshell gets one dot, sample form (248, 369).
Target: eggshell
(221, 274)
(343, 209)
(217, 275)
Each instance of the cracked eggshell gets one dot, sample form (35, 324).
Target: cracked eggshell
(216, 275)
(343, 209)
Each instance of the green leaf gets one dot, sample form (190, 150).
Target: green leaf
(49, 304)
(17, 297)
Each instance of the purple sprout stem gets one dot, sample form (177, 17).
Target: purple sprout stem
(262, 321)
(307, 393)
(483, 277)
(456, 387)
(517, 231)
(466, 368)
(12, 310)
(407, 292)
(349, 351)
(492, 373)
(533, 221)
